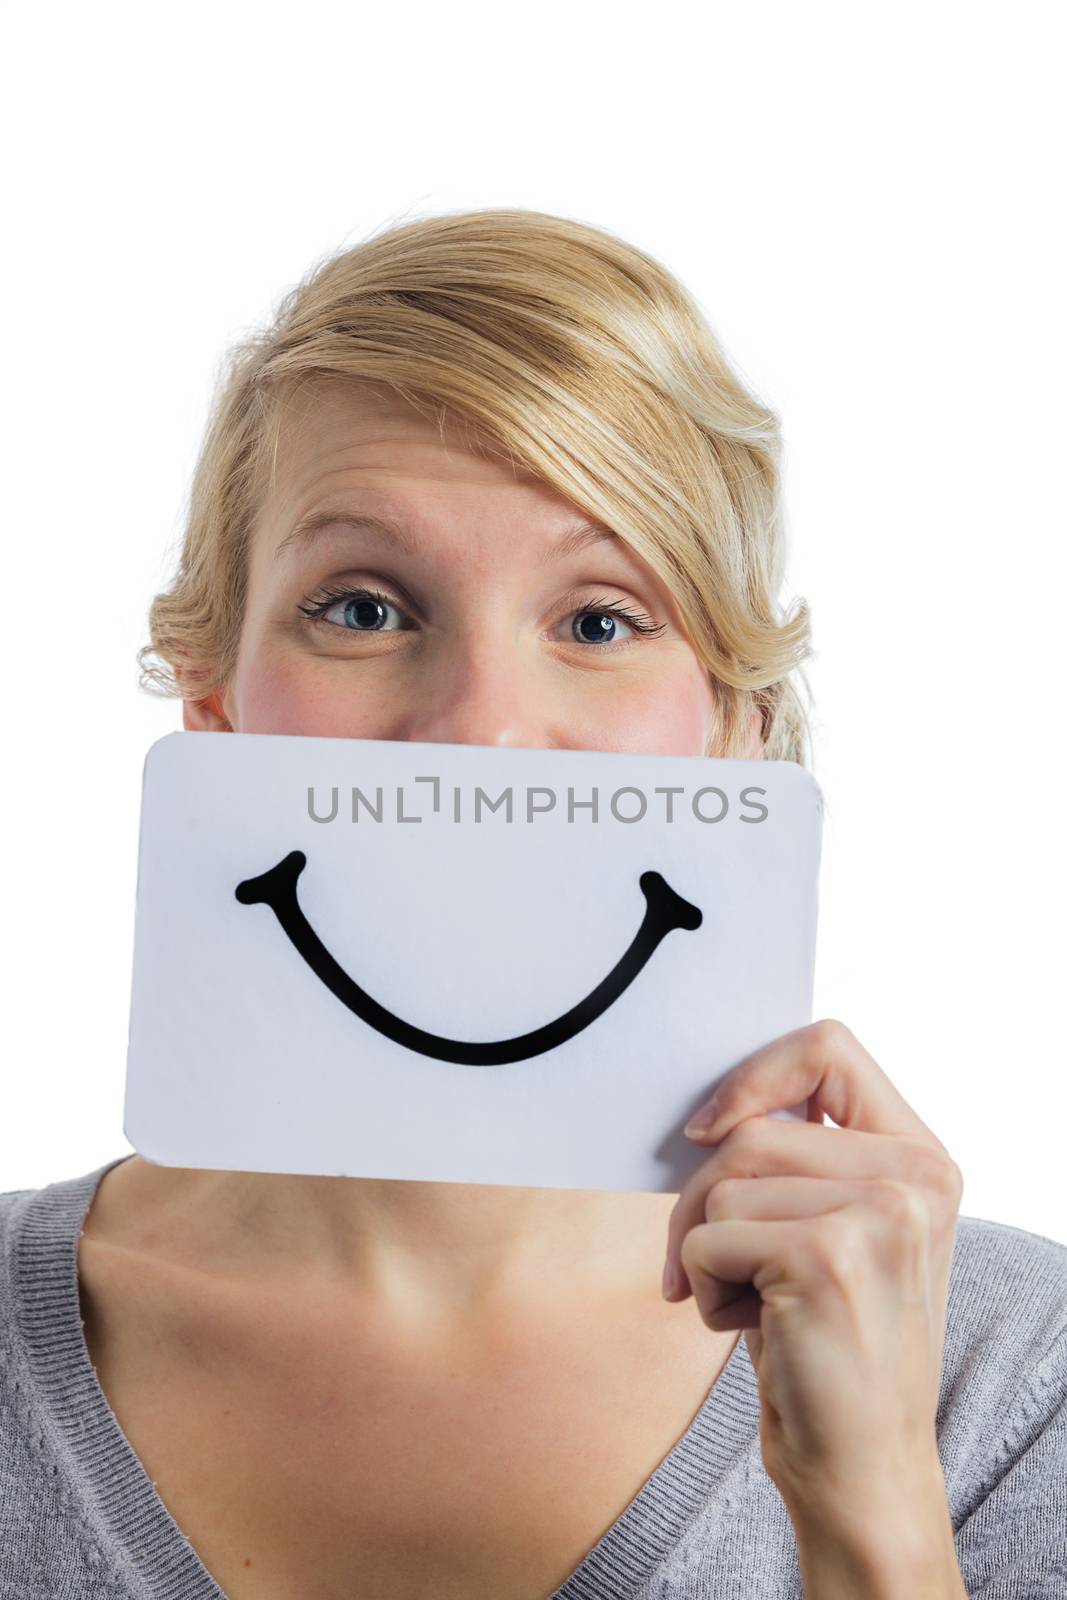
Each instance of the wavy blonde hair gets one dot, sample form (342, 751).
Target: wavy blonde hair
(572, 353)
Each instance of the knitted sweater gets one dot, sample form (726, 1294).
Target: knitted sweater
(80, 1517)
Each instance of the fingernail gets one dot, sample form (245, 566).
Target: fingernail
(670, 1280)
(701, 1121)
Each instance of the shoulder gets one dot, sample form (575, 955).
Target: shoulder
(1006, 1321)
(14, 1389)
(51, 1530)
(50, 1211)
(16, 1205)
(1007, 1300)
(998, 1260)
(981, 1242)
(12, 1207)
(1002, 1413)
(39, 1230)
(20, 1478)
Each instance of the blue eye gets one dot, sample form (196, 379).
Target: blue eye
(592, 620)
(366, 611)
(588, 627)
(362, 610)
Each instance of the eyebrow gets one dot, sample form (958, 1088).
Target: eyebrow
(317, 523)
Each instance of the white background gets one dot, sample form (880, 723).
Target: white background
(863, 200)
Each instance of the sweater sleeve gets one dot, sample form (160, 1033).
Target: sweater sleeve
(1013, 1543)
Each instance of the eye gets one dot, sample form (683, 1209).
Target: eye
(597, 623)
(367, 611)
(362, 610)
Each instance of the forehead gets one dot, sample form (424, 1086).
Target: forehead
(346, 447)
(329, 425)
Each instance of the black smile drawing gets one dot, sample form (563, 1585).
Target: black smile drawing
(664, 910)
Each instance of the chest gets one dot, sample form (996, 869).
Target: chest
(305, 1454)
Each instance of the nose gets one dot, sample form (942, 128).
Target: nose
(481, 695)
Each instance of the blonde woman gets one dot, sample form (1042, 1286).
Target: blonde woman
(489, 478)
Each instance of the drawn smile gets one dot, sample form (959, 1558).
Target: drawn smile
(664, 910)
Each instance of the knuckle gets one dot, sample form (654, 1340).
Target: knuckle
(721, 1201)
(677, 1228)
(737, 1152)
(691, 1252)
(951, 1182)
(935, 1170)
(947, 1194)
(690, 1199)
(902, 1206)
(830, 1035)
(839, 1246)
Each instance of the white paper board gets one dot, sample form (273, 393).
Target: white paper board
(445, 966)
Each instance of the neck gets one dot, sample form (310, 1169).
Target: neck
(407, 1244)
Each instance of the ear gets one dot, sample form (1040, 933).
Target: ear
(207, 714)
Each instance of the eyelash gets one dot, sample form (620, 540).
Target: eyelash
(314, 609)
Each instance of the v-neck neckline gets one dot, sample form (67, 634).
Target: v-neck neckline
(45, 1267)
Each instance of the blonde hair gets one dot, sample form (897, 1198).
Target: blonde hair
(573, 353)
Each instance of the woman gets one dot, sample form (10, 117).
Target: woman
(489, 478)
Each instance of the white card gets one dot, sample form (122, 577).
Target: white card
(458, 963)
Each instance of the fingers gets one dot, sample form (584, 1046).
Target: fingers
(820, 1159)
(823, 1061)
(781, 1199)
(858, 1240)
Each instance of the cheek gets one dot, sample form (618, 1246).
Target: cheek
(280, 693)
(671, 713)
(667, 707)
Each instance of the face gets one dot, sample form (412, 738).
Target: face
(403, 585)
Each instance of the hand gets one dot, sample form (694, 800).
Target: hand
(831, 1248)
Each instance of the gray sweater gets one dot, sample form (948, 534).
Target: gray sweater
(81, 1520)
